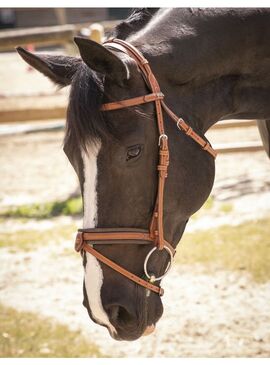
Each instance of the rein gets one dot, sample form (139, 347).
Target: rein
(87, 238)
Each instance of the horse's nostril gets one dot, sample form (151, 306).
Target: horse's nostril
(119, 314)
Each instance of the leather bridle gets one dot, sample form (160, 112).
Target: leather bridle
(87, 238)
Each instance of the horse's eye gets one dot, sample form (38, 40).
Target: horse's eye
(133, 152)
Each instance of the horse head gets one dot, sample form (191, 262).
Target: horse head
(115, 155)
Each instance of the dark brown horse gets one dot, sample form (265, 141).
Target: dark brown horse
(211, 64)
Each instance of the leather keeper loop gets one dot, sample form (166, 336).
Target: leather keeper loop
(164, 153)
(163, 167)
(189, 131)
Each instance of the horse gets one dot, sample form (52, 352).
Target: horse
(210, 64)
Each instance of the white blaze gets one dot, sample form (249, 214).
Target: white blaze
(93, 273)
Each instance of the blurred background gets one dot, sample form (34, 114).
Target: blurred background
(217, 301)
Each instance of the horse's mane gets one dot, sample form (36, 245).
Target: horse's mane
(136, 21)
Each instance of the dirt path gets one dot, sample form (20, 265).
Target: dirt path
(34, 169)
(217, 314)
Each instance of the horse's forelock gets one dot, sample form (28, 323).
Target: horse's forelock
(85, 122)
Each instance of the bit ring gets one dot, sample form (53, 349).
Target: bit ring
(150, 277)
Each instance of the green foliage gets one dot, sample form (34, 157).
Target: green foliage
(72, 206)
(244, 247)
(24, 334)
(213, 207)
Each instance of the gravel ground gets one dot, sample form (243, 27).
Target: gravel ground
(216, 314)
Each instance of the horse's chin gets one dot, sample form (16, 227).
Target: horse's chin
(149, 330)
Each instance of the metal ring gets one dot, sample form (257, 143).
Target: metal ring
(167, 268)
(161, 137)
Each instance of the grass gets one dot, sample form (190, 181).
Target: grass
(211, 206)
(24, 334)
(71, 206)
(209, 203)
(243, 247)
(26, 240)
(226, 208)
(208, 206)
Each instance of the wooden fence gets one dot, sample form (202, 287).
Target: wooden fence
(32, 110)
(47, 36)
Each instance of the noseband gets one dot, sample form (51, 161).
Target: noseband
(87, 238)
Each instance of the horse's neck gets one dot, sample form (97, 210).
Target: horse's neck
(136, 21)
(213, 63)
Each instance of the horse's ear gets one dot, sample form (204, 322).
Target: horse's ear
(59, 69)
(100, 59)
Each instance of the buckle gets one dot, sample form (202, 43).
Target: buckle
(179, 121)
(161, 137)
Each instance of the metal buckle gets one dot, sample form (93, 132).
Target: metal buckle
(178, 123)
(161, 137)
(152, 277)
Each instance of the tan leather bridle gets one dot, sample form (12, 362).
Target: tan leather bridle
(87, 238)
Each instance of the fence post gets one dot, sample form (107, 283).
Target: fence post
(96, 32)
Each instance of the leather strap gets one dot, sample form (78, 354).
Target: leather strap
(163, 139)
(152, 82)
(108, 236)
(136, 236)
(156, 226)
(149, 77)
(183, 126)
(136, 279)
(86, 247)
(132, 102)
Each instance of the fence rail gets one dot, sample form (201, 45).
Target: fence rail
(250, 146)
(45, 36)
(54, 107)
(24, 109)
